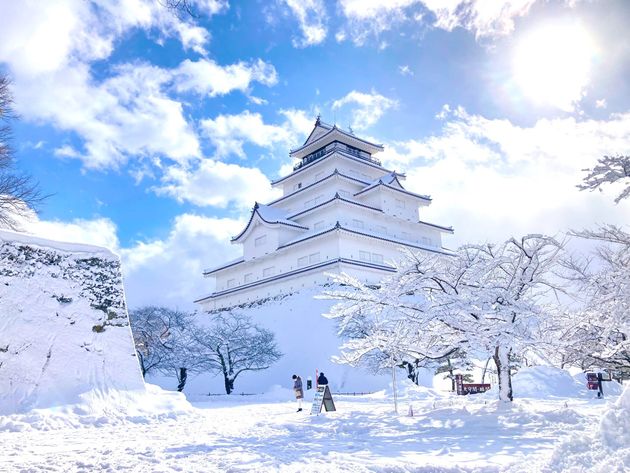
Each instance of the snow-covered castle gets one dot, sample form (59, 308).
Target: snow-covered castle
(341, 211)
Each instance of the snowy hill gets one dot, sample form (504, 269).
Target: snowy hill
(64, 329)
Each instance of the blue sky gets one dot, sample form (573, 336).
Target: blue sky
(155, 133)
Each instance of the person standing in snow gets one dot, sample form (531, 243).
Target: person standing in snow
(299, 392)
(321, 379)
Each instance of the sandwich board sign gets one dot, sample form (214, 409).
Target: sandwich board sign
(322, 397)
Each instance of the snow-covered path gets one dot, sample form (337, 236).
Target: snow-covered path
(243, 434)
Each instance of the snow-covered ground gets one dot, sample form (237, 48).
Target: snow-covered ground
(264, 433)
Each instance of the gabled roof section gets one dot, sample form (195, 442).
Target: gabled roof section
(320, 138)
(270, 216)
(319, 130)
(336, 197)
(391, 182)
(335, 173)
(334, 152)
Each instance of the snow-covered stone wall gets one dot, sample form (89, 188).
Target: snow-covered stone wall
(64, 329)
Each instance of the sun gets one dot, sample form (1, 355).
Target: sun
(552, 64)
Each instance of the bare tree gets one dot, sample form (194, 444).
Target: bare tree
(609, 169)
(165, 343)
(233, 344)
(18, 193)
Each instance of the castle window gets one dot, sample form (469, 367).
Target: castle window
(318, 225)
(260, 241)
(381, 229)
(364, 255)
(268, 271)
(231, 283)
(249, 277)
(313, 258)
(376, 258)
(303, 261)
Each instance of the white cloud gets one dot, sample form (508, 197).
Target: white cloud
(131, 113)
(99, 231)
(485, 19)
(311, 15)
(217, 184)
(40, 37)
(206, 77)
(371, 17)
(229, 133)
(368, 108)
(491, 178)
(169, 272)
(405, 70)
(127, 115)
(163, 272)
(209, 182)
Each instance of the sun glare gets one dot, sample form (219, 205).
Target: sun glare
(552, 64)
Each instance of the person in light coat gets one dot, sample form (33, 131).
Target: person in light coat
(298, 390)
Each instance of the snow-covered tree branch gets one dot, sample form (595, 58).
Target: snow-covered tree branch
(609, 169)
(487, 300)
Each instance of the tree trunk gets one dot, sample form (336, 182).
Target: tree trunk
(450, 374)
(483, 373)
(229, 383)
(141, 362)
(182, 375)
(502, 360)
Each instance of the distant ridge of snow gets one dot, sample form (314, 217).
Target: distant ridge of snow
(64, 329)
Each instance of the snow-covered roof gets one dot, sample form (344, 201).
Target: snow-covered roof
(331, 135)
(439, 227)
(269, 215)
(335, 173)
(391, 182)
(339, 227)
(314, 267)
(234, 262)
(318, 130)
(336, 152)
(336, 197)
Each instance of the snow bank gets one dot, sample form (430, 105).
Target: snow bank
(603, 451)
(97, 408)
(64, 330)
(542, 382)
(610, 388)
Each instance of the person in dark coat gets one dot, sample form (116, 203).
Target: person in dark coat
(321, 379)
(297, 389)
